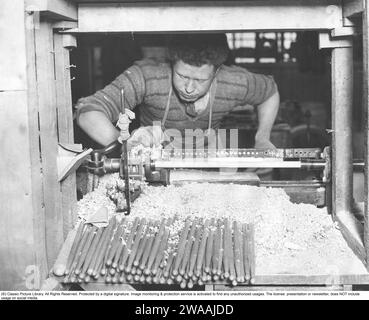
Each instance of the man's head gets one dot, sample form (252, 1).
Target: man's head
(195, 60)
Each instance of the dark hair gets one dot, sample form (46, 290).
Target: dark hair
(199, 49)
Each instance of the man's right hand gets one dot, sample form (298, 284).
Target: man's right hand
(146, 136)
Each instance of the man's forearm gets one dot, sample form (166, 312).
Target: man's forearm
(267, 113)
(98, 127)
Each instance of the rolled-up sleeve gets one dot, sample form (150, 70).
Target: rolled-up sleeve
(108, 99)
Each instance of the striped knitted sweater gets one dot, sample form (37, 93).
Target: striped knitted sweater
(147, 83)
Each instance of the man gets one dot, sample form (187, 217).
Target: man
(194, 91)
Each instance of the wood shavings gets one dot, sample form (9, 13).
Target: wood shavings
(289, 238)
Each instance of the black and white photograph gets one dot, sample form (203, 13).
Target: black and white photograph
(184, 150)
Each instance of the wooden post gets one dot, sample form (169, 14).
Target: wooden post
(342, 98)
(65, 125)
(52, 197)
(22, 242)
(366, 126)
(342, 113)
(32, 22)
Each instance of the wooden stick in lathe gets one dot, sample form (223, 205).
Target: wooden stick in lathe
(104, 268)
(226, 248)
(128, 246)
(129, 278)
(232, 269)
(147, 246)
(137, 277)
(162, 280)
(96, 273)
(220, 252)
(78, 252)
(106, 237)
(122, 278)
(108, 278)
(92, 268)
(204, 274)
(194, 251)
(155, 247)
(147, 250)
(237, 252)
(112, 271)
(91, 252)
(242, 265)
(183, 284)
(185, 276)
(110, 247)
(61, 262)
(134, 248)
(73, 250)
(179, 278)
(216, 247)
(141, 249)
(138, 271)
(134, 271)
(209, 252)
(159, 257)
(190, 284)
(115, 243)
(201, 255)
(156, 278)
(149, 279)
(209, 247)
(181, 247)
(91, 233)
(115, 279)
(187, 251)
(142, 245)
(194, 278)
(87, 279)
(246, 253)
(118, 255)
(251, 247)
(142, 278)
(168, 265)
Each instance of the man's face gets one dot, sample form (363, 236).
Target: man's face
(191, 82)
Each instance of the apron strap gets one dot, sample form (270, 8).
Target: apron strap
(167, 108)
(213, 90)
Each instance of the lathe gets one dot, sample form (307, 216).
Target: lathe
(155, 165)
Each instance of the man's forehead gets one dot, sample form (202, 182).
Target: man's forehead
(205, 71)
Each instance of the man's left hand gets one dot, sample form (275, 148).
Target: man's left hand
(264, 144)
(261, 144)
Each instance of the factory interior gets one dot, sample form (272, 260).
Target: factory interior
(82, 216)
(301, 70)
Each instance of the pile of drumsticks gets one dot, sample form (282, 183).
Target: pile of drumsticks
(142, 251)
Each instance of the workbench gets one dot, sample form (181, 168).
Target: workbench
(270, 273)
(39, 85)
